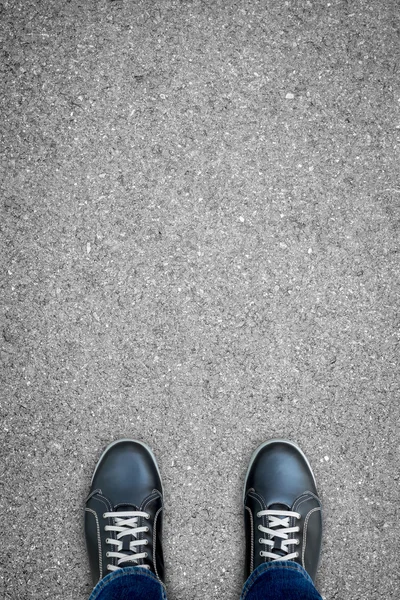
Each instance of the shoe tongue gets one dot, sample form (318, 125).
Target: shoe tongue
(277, 541)
(279, 506)
(126, 507)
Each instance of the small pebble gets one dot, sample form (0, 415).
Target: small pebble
(289, 96)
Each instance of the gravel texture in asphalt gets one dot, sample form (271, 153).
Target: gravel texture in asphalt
(199, 221)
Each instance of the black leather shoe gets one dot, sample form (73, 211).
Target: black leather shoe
(282, 510)
(123, 514)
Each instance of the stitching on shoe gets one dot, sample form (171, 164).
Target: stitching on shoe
(154, 542)
(98, 491)
(300, 500)
(317, 508)
(155, 495)
(90, 510)
(256, 496)
(305, 498)
(108, 505)
(252, 540)
(253, 494)
(105, 501)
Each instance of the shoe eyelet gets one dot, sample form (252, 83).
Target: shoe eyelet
(259, 528)
(147, 517)
(260, 541)
(104, 516)
(297, 542)
(146, 542)
(297, 555)
(107, 554)
(146, 555)
(147, 529)
(107, 540)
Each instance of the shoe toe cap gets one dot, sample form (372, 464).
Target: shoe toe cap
(280, 472)
(127, 470)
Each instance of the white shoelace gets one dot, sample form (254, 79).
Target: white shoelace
(126, 523)
(279, 528)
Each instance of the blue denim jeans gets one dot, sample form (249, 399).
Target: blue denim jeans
(280, 580)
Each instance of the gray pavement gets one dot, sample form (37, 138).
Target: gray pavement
(199, 220)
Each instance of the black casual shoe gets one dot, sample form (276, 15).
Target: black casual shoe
(282, 510)
(123, 514)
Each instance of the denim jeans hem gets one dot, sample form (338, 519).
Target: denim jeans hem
(278, 580)
(279, 568)
(129, 577)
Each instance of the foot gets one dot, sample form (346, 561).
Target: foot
(123, 514)
(282, 509)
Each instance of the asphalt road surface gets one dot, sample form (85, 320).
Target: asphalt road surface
(199, 230)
